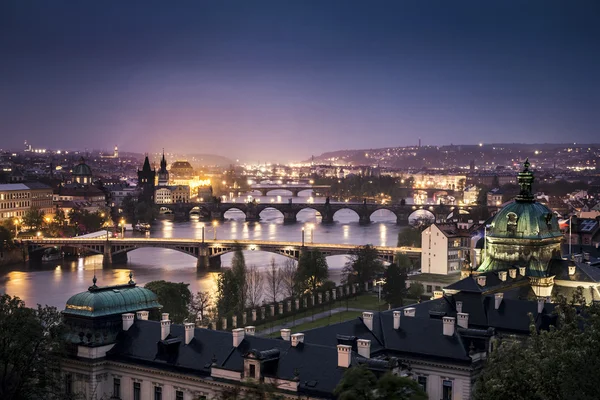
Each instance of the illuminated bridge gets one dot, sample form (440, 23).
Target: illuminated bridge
(216, 211)
(207, 252)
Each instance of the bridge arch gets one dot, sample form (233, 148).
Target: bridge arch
(305, 214)
(200, 211)
(234, 213)
(383, 214)
(165, 210)
(270, 209)
(421, 216)
(345, 212)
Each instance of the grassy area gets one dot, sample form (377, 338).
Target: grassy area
(329, 320)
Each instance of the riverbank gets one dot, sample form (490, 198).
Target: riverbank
(10, 257)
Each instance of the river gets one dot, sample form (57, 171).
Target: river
(53, 283)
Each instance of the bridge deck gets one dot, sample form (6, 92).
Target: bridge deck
(194, 242)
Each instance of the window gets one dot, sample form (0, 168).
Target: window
(117, 388)
(178, 395)
(68, 384)
(422, 381)
(429, 289)
(252, 371)
(446, 389)
(137, 389)
(157, 393)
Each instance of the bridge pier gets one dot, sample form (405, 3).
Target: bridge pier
(289, 217)
(217, 215)
(364, 219)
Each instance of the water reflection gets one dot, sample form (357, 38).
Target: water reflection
(54, 283)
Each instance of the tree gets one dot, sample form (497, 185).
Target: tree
(198, 307)
(33, 218)
(394, 289)
(288, 278)
(559, 363)
(395, 387)
(273, 277)
(410, 237)
(144, 212)
(31, 348)
(128, 206)
(359, 383)
(254, 286)
(312, 270)
(174, 297)
(238, 267)
(415, 290)
(227, 293)
(364, 265)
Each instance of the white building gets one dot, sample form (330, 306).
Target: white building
(445, 248)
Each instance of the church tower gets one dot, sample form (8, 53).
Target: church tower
(163, 174)
(146, 182)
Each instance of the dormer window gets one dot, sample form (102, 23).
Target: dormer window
(252, 371)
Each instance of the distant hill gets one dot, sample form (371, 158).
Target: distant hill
(209, 160)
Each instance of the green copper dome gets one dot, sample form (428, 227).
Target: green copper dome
(525, 220)
(111, 300)
(82, 169)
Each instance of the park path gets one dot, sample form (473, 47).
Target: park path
(309, 318)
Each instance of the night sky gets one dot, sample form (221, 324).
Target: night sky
(284, 79)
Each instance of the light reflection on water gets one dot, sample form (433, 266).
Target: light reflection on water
(53, 283)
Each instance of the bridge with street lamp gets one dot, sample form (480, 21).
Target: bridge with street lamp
(207, 252)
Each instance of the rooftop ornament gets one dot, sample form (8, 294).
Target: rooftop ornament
(525, 179)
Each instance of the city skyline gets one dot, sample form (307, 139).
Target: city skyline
(322, 77)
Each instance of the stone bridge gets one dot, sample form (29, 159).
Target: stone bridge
(252, 210)
(264, 189)
(208, 252)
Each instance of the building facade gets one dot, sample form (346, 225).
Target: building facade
(445, 248)
(18, 198)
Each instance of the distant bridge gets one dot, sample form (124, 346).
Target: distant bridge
(264, 189)
(208, 252)
(252, 210)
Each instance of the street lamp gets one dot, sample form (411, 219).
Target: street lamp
(215, 224)
(16, 227)
(122, 223)
(202, 233)
(302, 236)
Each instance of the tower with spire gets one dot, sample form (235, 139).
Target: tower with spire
(146, 179)
(163, 174)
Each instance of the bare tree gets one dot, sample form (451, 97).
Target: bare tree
(199, 306)
(288, 277)
(254, 286)
(273, 289)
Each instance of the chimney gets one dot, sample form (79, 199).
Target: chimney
(250, 330)
(165, 328)
(368, 319)
(512, 273)
(344, 355)
(164, 317)
(572, 270)
(189, 331)
(143, 315)
(522, 271)
(297, 338)
(481, 280)
(364, 347)
(397, 319)
(498, 300)
(409, 312)
(541, 303)
(459, 306)
(127, 320)
(448, 323)
(462, 319)
(286, 334)
(238, 336)
(502, 275)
